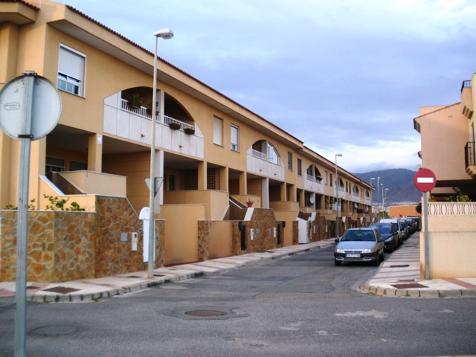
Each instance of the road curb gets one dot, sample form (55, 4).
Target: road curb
(417, 293)
(108, 293)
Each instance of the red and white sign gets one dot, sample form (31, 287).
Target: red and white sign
(424, 180)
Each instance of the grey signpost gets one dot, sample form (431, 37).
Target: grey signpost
(29, 109)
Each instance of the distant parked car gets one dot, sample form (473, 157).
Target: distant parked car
(359, 245)
(402, 232)
(389, 233)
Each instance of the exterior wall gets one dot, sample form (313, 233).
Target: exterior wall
(452, 234)
(449, 126)
(214, 239)
(97, 183)
(181, 232)
(216, 202)
(60, 245)
(115, 219)
(77, 245)
(289, 217)
(135, 167)
(402, 210)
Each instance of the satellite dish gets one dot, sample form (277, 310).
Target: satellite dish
(15, 103)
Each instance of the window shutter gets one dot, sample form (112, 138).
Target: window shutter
(71, 64)
(217, 131)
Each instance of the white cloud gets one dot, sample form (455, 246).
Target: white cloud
(378, 155)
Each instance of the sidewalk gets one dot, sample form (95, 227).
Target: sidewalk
(399, 275)
(88, 290)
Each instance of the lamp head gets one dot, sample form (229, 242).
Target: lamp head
(166, 34)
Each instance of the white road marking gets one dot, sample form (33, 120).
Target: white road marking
(372, 313)
(292, 326)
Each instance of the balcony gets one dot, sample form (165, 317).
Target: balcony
(470, 158)
(261, 164)
(122, 120)
(466, 84)
(313, 184)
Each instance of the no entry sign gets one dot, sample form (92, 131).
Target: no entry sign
(424, 180)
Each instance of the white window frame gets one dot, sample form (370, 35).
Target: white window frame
(237, 144)
(83, 84)
(216, 119)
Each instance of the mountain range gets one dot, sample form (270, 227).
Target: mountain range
(398, 181)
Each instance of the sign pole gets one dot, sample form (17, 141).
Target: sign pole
(22, 222)
(426, 235)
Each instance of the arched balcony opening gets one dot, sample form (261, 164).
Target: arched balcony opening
(264, 150)
(313, 174)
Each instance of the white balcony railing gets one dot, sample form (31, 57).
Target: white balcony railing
(169, 120)
(264, 156)
(311, 183)
(452, 208)
(134, 124)
(259, 163)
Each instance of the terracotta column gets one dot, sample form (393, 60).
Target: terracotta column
(95, 152)
(283, 192)
(202, 175)
(243, 179)
(265, 193)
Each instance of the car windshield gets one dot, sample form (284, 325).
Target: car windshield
(383, 228)
(358, 236)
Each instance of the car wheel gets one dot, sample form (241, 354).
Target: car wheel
(337, 262)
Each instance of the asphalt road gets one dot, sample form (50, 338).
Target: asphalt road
(302, 306)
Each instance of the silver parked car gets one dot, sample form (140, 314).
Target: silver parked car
(359, 245)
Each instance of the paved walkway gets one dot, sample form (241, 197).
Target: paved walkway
(399, 275)
(87, 290)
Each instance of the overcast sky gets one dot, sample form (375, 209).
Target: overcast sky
(343, 76)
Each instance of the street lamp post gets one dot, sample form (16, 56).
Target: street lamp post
(165, 34)
(337, 195)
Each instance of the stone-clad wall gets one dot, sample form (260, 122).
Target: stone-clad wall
(60, 245)
(77, 245)
(264, 225)
(116, 217)
(203, 237)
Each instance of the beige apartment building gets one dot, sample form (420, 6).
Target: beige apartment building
(448, 149)
(227, 174)
(448, 144)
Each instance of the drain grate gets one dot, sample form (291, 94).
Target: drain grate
(160, 275)
(32, 287)
(133, 276)
(409, 286)
(400, 266)
(205, 313)
(61, 290)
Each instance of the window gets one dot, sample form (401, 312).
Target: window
(330, 180)
(327, 178)
(233, 138)
(299, 167)
(218, 131)
(290, 161)
(71, 71)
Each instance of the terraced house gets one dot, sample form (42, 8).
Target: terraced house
(231, 181)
